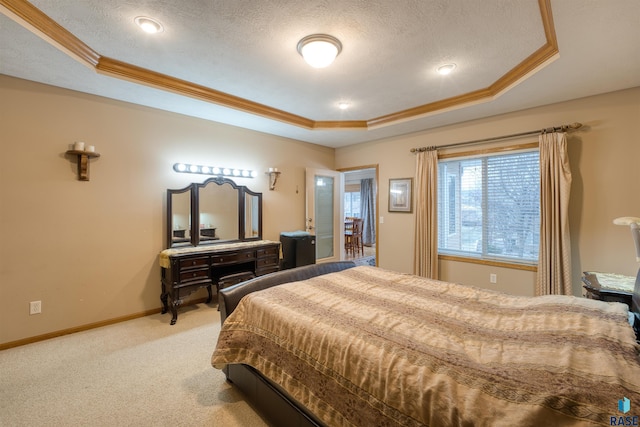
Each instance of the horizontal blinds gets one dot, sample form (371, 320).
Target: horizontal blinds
(352, 188)
(489, 206)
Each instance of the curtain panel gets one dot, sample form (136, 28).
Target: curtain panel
(426, 219)
(554, 261)
(367, 210)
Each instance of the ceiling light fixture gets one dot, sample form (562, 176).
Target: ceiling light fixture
(149, 25)
(343, 105)
(446, 69)
(319, 50)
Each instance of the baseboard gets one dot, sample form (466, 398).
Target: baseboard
(37, 338)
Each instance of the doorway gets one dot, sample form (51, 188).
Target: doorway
(360, 200)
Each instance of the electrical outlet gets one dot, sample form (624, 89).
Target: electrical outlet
(35, 307)
(493, 278)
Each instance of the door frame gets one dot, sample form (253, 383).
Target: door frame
(377, 225)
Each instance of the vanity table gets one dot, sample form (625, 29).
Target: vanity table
(186, 270)
(228, 250)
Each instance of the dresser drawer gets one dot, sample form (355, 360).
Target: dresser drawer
(233, 258)
(271, 261)
(268, 252)
(198, 262)
(191, 274)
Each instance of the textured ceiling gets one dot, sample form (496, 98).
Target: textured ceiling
(247, 49)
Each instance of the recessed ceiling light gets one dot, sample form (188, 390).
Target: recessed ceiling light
(343, 105)
(446, 69)
(149, 25)
(319, 50)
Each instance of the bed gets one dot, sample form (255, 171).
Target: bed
(335, 344)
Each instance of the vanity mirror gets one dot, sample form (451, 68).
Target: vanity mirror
(216, 211)
(179, 203)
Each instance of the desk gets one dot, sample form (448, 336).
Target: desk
(608, 286)
(185, 270)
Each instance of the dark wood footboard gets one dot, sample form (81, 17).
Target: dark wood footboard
(265, 396)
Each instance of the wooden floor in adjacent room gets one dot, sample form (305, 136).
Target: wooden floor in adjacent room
(369, 251)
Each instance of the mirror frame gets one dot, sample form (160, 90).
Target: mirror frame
(170, 194)
(195, 212)
(243, 214)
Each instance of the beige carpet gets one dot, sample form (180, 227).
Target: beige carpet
(143, 372)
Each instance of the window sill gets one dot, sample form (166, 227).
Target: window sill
(504, 264)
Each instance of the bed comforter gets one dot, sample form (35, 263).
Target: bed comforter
(372, 347)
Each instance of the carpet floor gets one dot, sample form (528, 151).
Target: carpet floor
(142, 372)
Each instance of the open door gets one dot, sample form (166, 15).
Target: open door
(325, 212)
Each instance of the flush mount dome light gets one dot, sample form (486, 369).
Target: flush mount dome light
(149, 25)
(446, 69)
(319, 50)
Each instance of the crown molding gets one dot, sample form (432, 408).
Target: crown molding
(43, 26)
(34, 20)
(122, 70)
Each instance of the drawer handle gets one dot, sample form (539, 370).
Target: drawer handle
(193, 263)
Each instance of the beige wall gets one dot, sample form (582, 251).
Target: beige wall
(89, 250)
(604, 155)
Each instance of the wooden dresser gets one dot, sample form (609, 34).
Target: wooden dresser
(185, 270)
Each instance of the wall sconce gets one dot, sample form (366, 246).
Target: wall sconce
(214, 170)
(273, 177)
(83, 153)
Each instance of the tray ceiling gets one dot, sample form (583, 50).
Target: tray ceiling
(236, 62)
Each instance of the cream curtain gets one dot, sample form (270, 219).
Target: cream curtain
(426, 228)
(554, 262)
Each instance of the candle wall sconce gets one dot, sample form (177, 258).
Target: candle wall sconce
(273, 177)
(83, 153)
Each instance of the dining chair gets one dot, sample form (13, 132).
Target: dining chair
(356, 237)
(348, 235)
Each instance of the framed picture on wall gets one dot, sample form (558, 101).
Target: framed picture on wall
(400, 197)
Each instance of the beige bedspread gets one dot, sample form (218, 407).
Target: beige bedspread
(371, 347)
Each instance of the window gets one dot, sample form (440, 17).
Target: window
(352, 204)
(489, 206)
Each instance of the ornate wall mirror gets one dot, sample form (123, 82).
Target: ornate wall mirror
(216, 211)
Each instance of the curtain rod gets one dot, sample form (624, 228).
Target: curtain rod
(570, 127)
